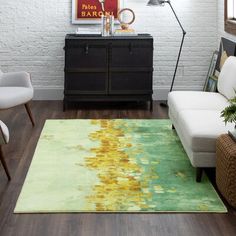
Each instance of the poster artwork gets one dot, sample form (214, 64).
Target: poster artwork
(90, 11)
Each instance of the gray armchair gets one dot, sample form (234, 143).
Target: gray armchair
(16, 89)
(4, 139)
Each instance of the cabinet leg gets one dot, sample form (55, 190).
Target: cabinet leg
(151, 105)
(64, 105)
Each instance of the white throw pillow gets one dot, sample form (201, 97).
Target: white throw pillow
(227, 78)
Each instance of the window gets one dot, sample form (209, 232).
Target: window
(231, 9)
(230, 16)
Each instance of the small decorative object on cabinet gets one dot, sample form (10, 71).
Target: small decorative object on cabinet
(125, 30)
(108, 68)
(225, 168)
(107, 25)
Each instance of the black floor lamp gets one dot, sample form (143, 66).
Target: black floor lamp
(161, 3)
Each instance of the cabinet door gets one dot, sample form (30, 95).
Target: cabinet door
(130, 82)
(86, 83)
(86, 67)
(82, 54)
(132, 54)
(131, 67)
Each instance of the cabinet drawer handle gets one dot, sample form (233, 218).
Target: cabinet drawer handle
(86, 49)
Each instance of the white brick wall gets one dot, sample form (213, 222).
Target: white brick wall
(32, 38)
(221, 32)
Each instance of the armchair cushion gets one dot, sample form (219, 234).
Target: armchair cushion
(14, 96)
(15, 79)
(4, 133)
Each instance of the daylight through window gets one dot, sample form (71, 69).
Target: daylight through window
(230, 16)
(231, 9)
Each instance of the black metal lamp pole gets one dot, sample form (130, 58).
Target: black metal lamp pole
(161, 3)
(181, 45)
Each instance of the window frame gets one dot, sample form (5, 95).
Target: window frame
(230, 24)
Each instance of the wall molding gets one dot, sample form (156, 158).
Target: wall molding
(57, 93)
(48, 93)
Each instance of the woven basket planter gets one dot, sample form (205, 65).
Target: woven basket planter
(226, 168)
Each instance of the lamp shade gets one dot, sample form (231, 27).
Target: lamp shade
(155, 2)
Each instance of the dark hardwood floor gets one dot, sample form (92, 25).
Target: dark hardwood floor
(20, 150)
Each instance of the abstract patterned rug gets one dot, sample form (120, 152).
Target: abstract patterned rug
(113, 166)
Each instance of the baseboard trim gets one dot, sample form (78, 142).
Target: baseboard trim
(48, 94)
(160, 94)
(57, 93)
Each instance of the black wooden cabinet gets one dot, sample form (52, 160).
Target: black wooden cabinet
(108, 68)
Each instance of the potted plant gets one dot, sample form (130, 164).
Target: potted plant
(229, 115)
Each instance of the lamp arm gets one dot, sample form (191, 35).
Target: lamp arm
(181, 45)
(177, 62)
(184, 32)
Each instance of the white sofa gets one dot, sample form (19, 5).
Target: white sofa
(196, 117)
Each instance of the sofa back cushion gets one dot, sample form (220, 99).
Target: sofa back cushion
(227, 78)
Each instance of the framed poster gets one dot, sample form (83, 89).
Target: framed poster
(227, 48)
(90, 11)
(211, 84)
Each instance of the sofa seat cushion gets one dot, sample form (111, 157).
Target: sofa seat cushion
(195, 100)
(13, 96)
(200, 129)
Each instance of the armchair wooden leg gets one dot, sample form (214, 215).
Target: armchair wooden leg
(199, 172)
(29, 113)
(4, 164)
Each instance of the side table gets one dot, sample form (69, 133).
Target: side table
(226, 168)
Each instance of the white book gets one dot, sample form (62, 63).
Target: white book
(87, 31)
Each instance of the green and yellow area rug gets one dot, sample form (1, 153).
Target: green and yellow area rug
(113, 166)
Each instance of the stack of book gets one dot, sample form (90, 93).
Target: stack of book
(87, 31)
